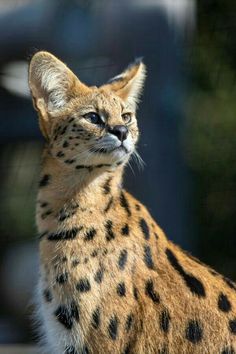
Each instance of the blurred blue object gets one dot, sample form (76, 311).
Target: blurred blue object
(97, 39)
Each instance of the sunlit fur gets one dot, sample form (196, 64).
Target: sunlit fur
(88, 140)
(110, 281)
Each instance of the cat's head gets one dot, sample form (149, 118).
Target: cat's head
(86, 127)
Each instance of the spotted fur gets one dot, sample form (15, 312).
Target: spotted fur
(110, 281)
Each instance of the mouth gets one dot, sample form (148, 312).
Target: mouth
(107, 151)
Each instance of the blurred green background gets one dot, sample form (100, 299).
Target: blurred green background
(210, 132)
(187, 121)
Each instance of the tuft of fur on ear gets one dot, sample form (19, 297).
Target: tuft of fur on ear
(129, 84)
(52, 86)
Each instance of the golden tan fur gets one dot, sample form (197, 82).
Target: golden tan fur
(110, 280)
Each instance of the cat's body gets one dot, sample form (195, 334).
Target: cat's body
(110, 280)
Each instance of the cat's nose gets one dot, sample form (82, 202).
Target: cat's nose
(120, 131)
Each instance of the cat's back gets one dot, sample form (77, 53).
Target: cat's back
(185, 304)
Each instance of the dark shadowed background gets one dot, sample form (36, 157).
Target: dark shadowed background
(187, 120)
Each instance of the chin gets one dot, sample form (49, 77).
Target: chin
(120, 155)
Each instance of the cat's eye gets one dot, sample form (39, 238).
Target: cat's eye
(127, 117)
(93, 118)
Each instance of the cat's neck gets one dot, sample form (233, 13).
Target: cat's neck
(59, 185)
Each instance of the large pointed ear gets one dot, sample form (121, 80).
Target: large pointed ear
(52, 86)
(129, 84)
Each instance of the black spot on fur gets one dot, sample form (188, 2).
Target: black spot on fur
(135, 293)
(165, 320)
(96, 318)
(74, 310)
(224, 303)
(119, 163)
(94, 253)
(65, 214)
(150, 292)
(62, 132)
(99, 275)
(125, 230)
(60, 154)
(127, 349)
(122, 259)
(85, 350)
(62, 278)
(40, 236)
(137, 207)
(194, 284)
(66, 315)
(148, 257)
(69, 161)
(213, 272)
(124, 203)
(83, 285)
(109, 204)
(104, 252)
(121, 290)
(47, 295)
(102, 165)
(228, 350)
(89, 235)
(229, 283)
(107, 186)
(109, 232)
(80, 167)
(47, 213)
(65, 144)
(113, 327)
(75, 262)
(70, 350)
(232, 326)
(129, 322)
(164, 350)
(64, 235)
(44, 181)
(145, 229)
(44, 204)
(194, 331)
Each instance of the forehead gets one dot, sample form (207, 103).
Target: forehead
(101, 99)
